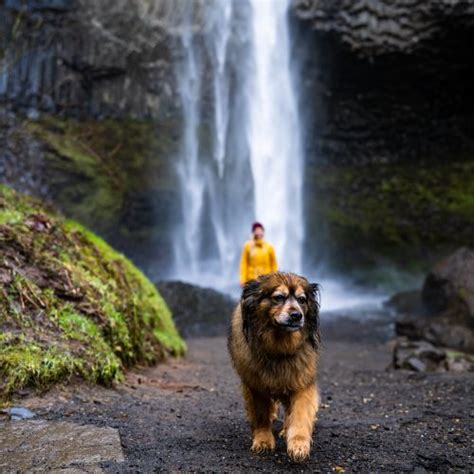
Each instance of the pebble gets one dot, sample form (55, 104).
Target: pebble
(19, 413)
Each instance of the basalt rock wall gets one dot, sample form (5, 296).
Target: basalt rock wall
(86, 58)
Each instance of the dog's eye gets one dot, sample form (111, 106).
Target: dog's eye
(301, 299)
(279, 298)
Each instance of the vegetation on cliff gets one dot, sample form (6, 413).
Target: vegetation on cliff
(69, 304)
(115, 176)
(409, 213)
(100, 165)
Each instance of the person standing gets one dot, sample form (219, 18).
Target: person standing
(258, 256)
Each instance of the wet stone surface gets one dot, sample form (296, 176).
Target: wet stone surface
(57, 445)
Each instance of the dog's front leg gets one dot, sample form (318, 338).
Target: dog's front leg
(260, 411)
(299, 428)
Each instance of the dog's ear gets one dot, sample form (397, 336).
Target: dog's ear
(251, 288)
(249, 302)
(314, 298)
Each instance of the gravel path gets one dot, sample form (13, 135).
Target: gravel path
(188, 415)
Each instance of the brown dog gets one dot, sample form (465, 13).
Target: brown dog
(274, 345)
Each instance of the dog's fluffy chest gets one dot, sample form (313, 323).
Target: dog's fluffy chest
(282, 375)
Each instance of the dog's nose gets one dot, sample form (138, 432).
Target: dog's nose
(296, 316)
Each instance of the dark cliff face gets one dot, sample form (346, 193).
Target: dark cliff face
(390, 108)
(85, 58)
(380, 27)
(389, 136)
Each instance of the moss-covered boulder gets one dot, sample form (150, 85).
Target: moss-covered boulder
(69, 304)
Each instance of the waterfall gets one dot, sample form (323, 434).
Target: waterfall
(240, 157)
(274, 133)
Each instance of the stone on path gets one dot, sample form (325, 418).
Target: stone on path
(18, 413)
(53, 445)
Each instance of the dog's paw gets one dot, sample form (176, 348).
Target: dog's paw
(298, 448)
(263, 441)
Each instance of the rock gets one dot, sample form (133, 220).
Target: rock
(444, 332)
(449, 287)
(459, 362)
(383, 26)
(410, 325)
(86, 58)
(446, 315)
(86, 310)
(197, 311)
(440, 331)
(405, 302)
(413, 363)
(420, 356)
(20, 413)
(28, 445)
(359, 173)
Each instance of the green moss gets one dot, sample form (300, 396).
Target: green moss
(72, 305)
(409, 213)
(146, 298)
(95, 166)
(457, 355)
(24, 363)
(10, 217)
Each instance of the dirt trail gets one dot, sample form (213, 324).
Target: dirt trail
(188, 415)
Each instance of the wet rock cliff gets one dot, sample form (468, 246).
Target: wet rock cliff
(87, 58)
(387, 93)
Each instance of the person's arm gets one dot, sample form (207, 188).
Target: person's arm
(244, 265)
(273, 260)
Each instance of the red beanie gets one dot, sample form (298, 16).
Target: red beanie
(255, 225)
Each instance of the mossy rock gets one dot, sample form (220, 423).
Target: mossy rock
(69, 304)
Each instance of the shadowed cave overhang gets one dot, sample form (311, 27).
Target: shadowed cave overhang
(376, 27)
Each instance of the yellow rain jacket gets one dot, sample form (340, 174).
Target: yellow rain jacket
(258, 258)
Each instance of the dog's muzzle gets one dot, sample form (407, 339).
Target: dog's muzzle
(290, 322)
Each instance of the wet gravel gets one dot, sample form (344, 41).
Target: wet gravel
(188, 415)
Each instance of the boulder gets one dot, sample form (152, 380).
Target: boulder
(405, 302)
(445, 316)
(419, 356)
(422, 356)
(441, 331)
(197, 311)
(449, 287)
(70, 305)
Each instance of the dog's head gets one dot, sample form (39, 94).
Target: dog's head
(281, 303)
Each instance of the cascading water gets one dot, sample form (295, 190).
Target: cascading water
(274, 133)
(241, 154)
